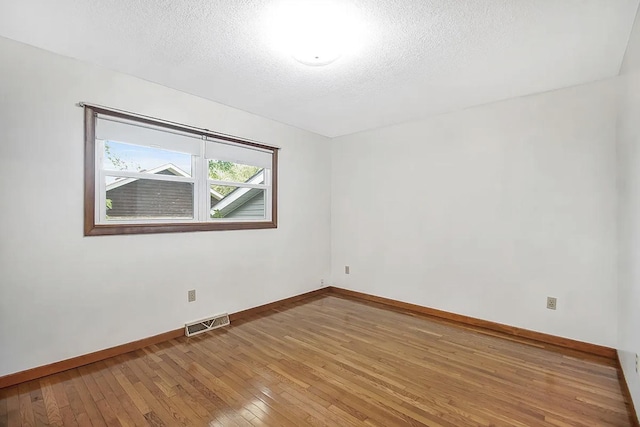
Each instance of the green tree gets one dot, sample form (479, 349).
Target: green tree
(221, 170)
(117, 162)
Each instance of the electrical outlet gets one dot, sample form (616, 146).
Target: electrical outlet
(636, 362)
(346, 269)
(321, 282)
(192, 295)
(552, 303)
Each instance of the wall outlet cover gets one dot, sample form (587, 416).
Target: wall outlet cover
(552, 303)
(192, 295)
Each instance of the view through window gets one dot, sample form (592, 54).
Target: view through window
(147, 176)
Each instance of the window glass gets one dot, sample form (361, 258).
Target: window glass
(238, 202)
(221, 170)
(119, 156)
(136, 199)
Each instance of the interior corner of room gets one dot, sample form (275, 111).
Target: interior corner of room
(482, 211)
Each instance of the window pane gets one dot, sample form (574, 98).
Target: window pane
(137, 158)
(237, 202)
(221, 170)
(129, 198)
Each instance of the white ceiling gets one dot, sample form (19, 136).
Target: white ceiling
(420, 57)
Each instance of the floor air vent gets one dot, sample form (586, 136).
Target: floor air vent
(205, 325)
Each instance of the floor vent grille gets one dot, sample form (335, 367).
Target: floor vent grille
(204, 325)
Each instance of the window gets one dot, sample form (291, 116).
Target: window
(145, 175)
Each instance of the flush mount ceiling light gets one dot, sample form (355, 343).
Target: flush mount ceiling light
(315, 32)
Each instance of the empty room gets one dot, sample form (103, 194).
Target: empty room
(319, 212)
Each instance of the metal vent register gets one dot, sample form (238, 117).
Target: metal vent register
(205, 325)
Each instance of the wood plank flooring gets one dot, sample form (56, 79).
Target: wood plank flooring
(330, 361)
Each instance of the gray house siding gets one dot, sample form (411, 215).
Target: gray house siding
(151, 199)
(252, 209)
(166, 172)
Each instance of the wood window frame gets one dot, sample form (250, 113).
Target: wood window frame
(91, 228)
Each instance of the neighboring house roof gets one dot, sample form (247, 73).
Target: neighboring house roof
(226, 205)
(239, 196)
(169, 167)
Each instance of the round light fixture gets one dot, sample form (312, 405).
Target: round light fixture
(315, 32)
(317, 58)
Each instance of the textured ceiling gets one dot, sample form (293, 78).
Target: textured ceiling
(419, 57)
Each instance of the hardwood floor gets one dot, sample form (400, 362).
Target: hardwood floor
(330, 361)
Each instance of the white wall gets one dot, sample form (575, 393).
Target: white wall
(487, 211)
(62, 294)
(629, 214)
